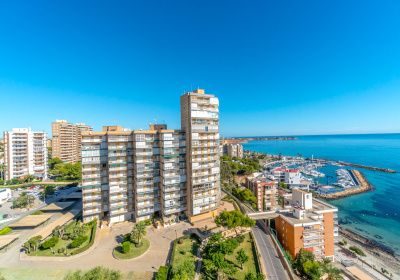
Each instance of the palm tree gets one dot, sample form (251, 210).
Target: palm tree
(3, 168)
(332, 272)
(138, 231)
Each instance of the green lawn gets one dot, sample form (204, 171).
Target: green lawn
(250, 265)
(134, 252)
(185, 251)
(61, 244)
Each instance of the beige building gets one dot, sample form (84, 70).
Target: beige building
(137, 174)
(265, 190)
(233, 150)
(307, 224)
(25, 153)
(66, 140)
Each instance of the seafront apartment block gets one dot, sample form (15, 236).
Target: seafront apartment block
(265, 191)
(25, 152)
(66, 140)
(308, 223)
(137, 174)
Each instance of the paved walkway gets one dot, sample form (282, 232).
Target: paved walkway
(161, 241)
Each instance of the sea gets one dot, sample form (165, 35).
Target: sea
(375, 214)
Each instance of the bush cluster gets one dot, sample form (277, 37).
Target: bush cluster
(126, 247)
(37, 213)
(357, 250)
(5, 230)
(162, 273)
(78, 241)
(50, 242)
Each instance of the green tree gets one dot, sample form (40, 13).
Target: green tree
(217, 263)
(97, 273)
(3, 169)
(53, 161)
(251, 276)
(2, 277)
(29, 178)
(312, 269)
(280, 156)
(49, 190)
(332, 272)
(242, 257)
(233, 219)
(138, 231)
(282, 185)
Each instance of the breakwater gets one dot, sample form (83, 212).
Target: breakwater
(368, 167)
(365, 186)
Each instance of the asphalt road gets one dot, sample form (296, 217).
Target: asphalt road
(269, 255)
(23, 213)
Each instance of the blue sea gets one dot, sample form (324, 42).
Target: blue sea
(374, 215)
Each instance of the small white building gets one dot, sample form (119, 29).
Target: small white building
(4, 195)
(290, 177)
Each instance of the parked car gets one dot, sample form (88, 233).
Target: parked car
(31, 188)
(11, 199)
(41, 188)
(5, 216)
(18, 189)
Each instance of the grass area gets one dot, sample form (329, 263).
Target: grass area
(25, 185)
(250, 265)
(62, 244)
(184, 251)
(5, 231)
(134, 252)
(37, 213)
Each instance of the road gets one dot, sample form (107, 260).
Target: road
(269, 256)
(20, 214)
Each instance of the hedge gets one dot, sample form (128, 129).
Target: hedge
(50, 242)
(5, 230)
(162, 273)
(126, 247)
(87, 246)
(78, 241)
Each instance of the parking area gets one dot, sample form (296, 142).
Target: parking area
(6, 208)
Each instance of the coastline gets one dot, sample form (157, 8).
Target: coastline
(377, 255)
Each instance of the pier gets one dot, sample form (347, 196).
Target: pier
(364, 186)
(369, 167)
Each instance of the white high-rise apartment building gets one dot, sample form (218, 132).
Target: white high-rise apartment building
(25, 152)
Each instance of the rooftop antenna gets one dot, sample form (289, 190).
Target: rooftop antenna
(164, 122)
(155, 121)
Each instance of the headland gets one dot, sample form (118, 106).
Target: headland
(247, 139)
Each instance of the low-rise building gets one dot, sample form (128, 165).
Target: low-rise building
(291, 177)
(265, 190)
(307, 223)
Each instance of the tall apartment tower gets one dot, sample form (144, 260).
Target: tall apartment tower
(25, 152)
(66, 140)
(167, 173)
(200, 121)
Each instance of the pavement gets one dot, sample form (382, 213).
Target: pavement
(158, 254)
(269, 256)
(21, 213)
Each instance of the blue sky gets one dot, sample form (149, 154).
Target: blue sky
(278, 67)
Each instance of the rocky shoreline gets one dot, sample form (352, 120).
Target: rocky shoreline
(381, 255)
(245, 140)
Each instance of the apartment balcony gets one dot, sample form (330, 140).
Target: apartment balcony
(92, 204)
(91, 198)
(315, 236)
(110, 155)
(313, 230)
(92, 211)
(174, 210)
(91, 183)
(173, 138)
(172, 167)
(207, 194)
(174, 180)
(117, 205)
(204, 159)
(203, 181)
(146, 160)
(142, 212)
(87, 140)
(96, 175)
(175, 195)
(120, 175)
(167, 189)
(117, 190)
(119, 139)
(205, 203)
(118, 211)
(144, 183)
(119, 197)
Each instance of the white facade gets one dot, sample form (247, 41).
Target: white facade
(4, 195)
(291, 177)
(25, 152)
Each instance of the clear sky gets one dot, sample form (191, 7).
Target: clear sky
(278, 67)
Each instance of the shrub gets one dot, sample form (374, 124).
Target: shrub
(61, 250)
(182, 252)
(341, 243)
(37, 213)
(127, 237)
(65, 237)
(240, 238)
(50, 242)
(5, 230)
(126, 247)
(180, 241)
(344, 242)
(357, 250)
(78, 241)
(162, 273)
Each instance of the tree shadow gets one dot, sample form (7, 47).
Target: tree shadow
(120, 238)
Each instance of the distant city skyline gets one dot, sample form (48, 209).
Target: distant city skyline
(279, 69)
